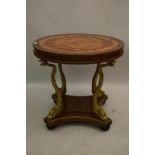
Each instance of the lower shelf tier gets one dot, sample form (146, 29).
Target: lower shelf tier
(77, 109)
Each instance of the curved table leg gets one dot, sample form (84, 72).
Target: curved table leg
(59, 91)
(99, 96)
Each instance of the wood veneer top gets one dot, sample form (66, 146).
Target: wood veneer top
(62, 48)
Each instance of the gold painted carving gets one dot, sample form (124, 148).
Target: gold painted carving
(98, 94)
(59, 91)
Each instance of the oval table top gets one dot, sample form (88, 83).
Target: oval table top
(78, 48)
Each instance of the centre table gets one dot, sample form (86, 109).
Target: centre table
(78, 49)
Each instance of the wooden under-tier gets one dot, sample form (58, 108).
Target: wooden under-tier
(77, 109)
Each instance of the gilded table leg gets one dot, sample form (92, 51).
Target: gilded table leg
(59, 91)
(98, 94)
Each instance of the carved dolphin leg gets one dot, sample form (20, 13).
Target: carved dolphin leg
(98, 93)
(59, 91)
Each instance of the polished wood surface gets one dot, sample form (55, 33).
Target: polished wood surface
(78, 48)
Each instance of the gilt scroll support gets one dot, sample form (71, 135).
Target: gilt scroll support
(99, 95)
(59, 91)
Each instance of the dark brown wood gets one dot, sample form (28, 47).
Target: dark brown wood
(78, 48)
(101, 99)
(77, 109)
